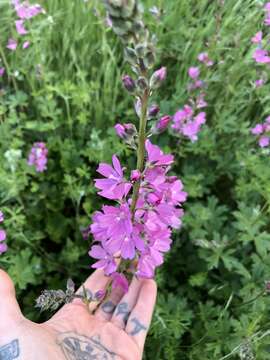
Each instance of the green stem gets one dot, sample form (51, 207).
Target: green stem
(8, 69)
(141, 149)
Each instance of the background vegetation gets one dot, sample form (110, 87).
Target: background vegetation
(66, 90)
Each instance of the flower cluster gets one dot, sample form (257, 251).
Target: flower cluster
(261, 55)
(142, 235)
(262, 132)
(189, 119)
(38, 156)
(24, 12)
(3, 245)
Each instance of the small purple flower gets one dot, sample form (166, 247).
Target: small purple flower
(1, 216)
(12, 44)
(114, 186)
(264, 141)
(261, 56)
(204, 58)
(2, 235)
(20, 27)
(258, 129)
(3, 248)
(259, 83)
(105, 260)
(38, 156)
(257, 38)
(2, 71)
(26, 44)
(193, 72)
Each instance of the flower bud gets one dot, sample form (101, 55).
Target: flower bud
(138, 107)
(153, 111)
(135, 175)
(125, 131)
(142, 83)
(163, 123)
(158, 77)
(128, 83)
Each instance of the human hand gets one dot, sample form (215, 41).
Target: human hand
(115, 330)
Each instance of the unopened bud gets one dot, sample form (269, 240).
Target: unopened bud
(163, 123)
(153, 111)
(135, 175)
(158, 77)
(128, 83)
(142, 83)
(125, 131)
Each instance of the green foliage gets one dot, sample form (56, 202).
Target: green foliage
(66, 90)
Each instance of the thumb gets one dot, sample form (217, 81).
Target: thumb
(9, 307)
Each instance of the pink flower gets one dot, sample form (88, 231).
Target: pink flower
(27, 11)
(26, 44)
(20, 27)
(38, 156)
(114, 187)
(200, 102)
(1, 216)
(105, 261)
(204, 58)
(194, 72)
(261, 56)
(264, 141)
(267, 6)
(119, 281)
(2, 71)
(3, 248)
(155, 156)
(259, 83)
(257, 38)
(2, 235)
(112, 224)
(258, 129)
(12, 44)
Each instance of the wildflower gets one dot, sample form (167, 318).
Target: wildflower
(259, 83)
(114, 187)
(1, 216)
(155, 156)
(257, 38)
(261, 56)
(3, 235)
(2, 71)
(12, 44)
(264, 141)
(105, 261)
(26, 44)
(125, 131)
(135, 175)
(38, 156)
(258, 129)
(20, 27)
(194, 72)
(204, 58)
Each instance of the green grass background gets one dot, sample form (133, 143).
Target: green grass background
(66, 90)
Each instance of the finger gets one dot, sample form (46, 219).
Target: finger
(125, 306)
(140, 317)
(9, 307)
(95, 282)
(108, 306)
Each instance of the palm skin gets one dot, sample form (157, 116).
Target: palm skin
(114, 330)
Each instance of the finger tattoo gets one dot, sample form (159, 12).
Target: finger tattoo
(138, 327)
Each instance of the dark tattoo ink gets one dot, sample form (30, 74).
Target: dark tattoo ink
(10, 351)
(108, 307)
(122, 309)
(79, 347)
(137, 328)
